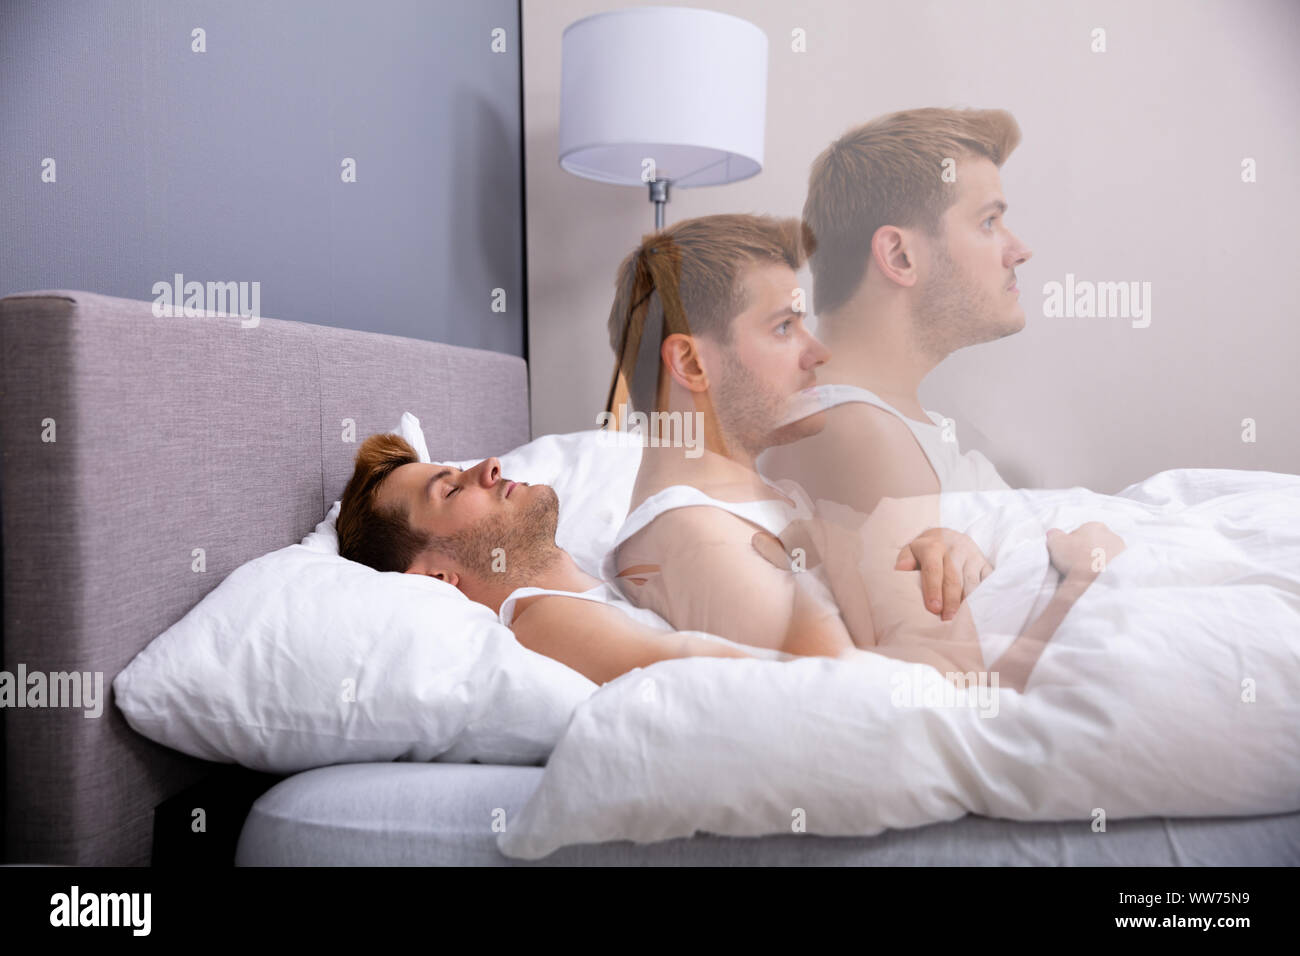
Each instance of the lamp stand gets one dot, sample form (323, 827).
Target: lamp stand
(659, 196)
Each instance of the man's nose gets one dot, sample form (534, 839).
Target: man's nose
(815, 353)
(1019, 252)
(489, 472)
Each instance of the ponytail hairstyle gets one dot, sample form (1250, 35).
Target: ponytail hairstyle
(686, 279)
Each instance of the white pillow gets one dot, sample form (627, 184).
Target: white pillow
(301, 659)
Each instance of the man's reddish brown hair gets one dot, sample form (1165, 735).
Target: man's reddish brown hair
(380, 538)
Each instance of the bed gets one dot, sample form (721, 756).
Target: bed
(177, 433)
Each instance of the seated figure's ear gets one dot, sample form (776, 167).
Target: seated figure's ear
(680, 356)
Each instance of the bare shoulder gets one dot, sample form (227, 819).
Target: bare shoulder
(687, 528)
(852, 430)
(547, 615)
(597, 640)
(862, 454)
(858, 422)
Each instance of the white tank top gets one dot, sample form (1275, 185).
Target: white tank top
(956, 471)
(773, 516)
(604, 594)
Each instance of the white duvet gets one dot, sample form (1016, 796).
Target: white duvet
(1172, 688)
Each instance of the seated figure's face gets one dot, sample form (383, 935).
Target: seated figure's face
(968, 291)
(472, 513)
(769, 361)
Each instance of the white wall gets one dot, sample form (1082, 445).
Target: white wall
(1130, 169)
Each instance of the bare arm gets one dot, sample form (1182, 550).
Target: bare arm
(1015, 664)
(902, 630)
(866, 455)
(716, 575)
(959, 651)
(601, 642)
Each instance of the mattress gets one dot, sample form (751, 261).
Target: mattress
(446, 814)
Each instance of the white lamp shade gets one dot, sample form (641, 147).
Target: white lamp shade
(686, 88)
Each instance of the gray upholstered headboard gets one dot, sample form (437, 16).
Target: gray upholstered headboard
(173, 434)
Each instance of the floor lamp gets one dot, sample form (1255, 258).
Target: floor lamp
(659, 97)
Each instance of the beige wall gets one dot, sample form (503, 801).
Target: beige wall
(1129, 170)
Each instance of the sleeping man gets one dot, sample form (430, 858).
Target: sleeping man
(494, 540)
(709, 544)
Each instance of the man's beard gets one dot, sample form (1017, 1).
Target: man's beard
(749, 412)
(526, 540)
(954, 311)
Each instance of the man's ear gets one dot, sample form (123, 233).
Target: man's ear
(681, 357)
(451, 577)
(435, 567)
(893, 252)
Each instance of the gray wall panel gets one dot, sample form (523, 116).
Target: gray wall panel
(225, 165)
